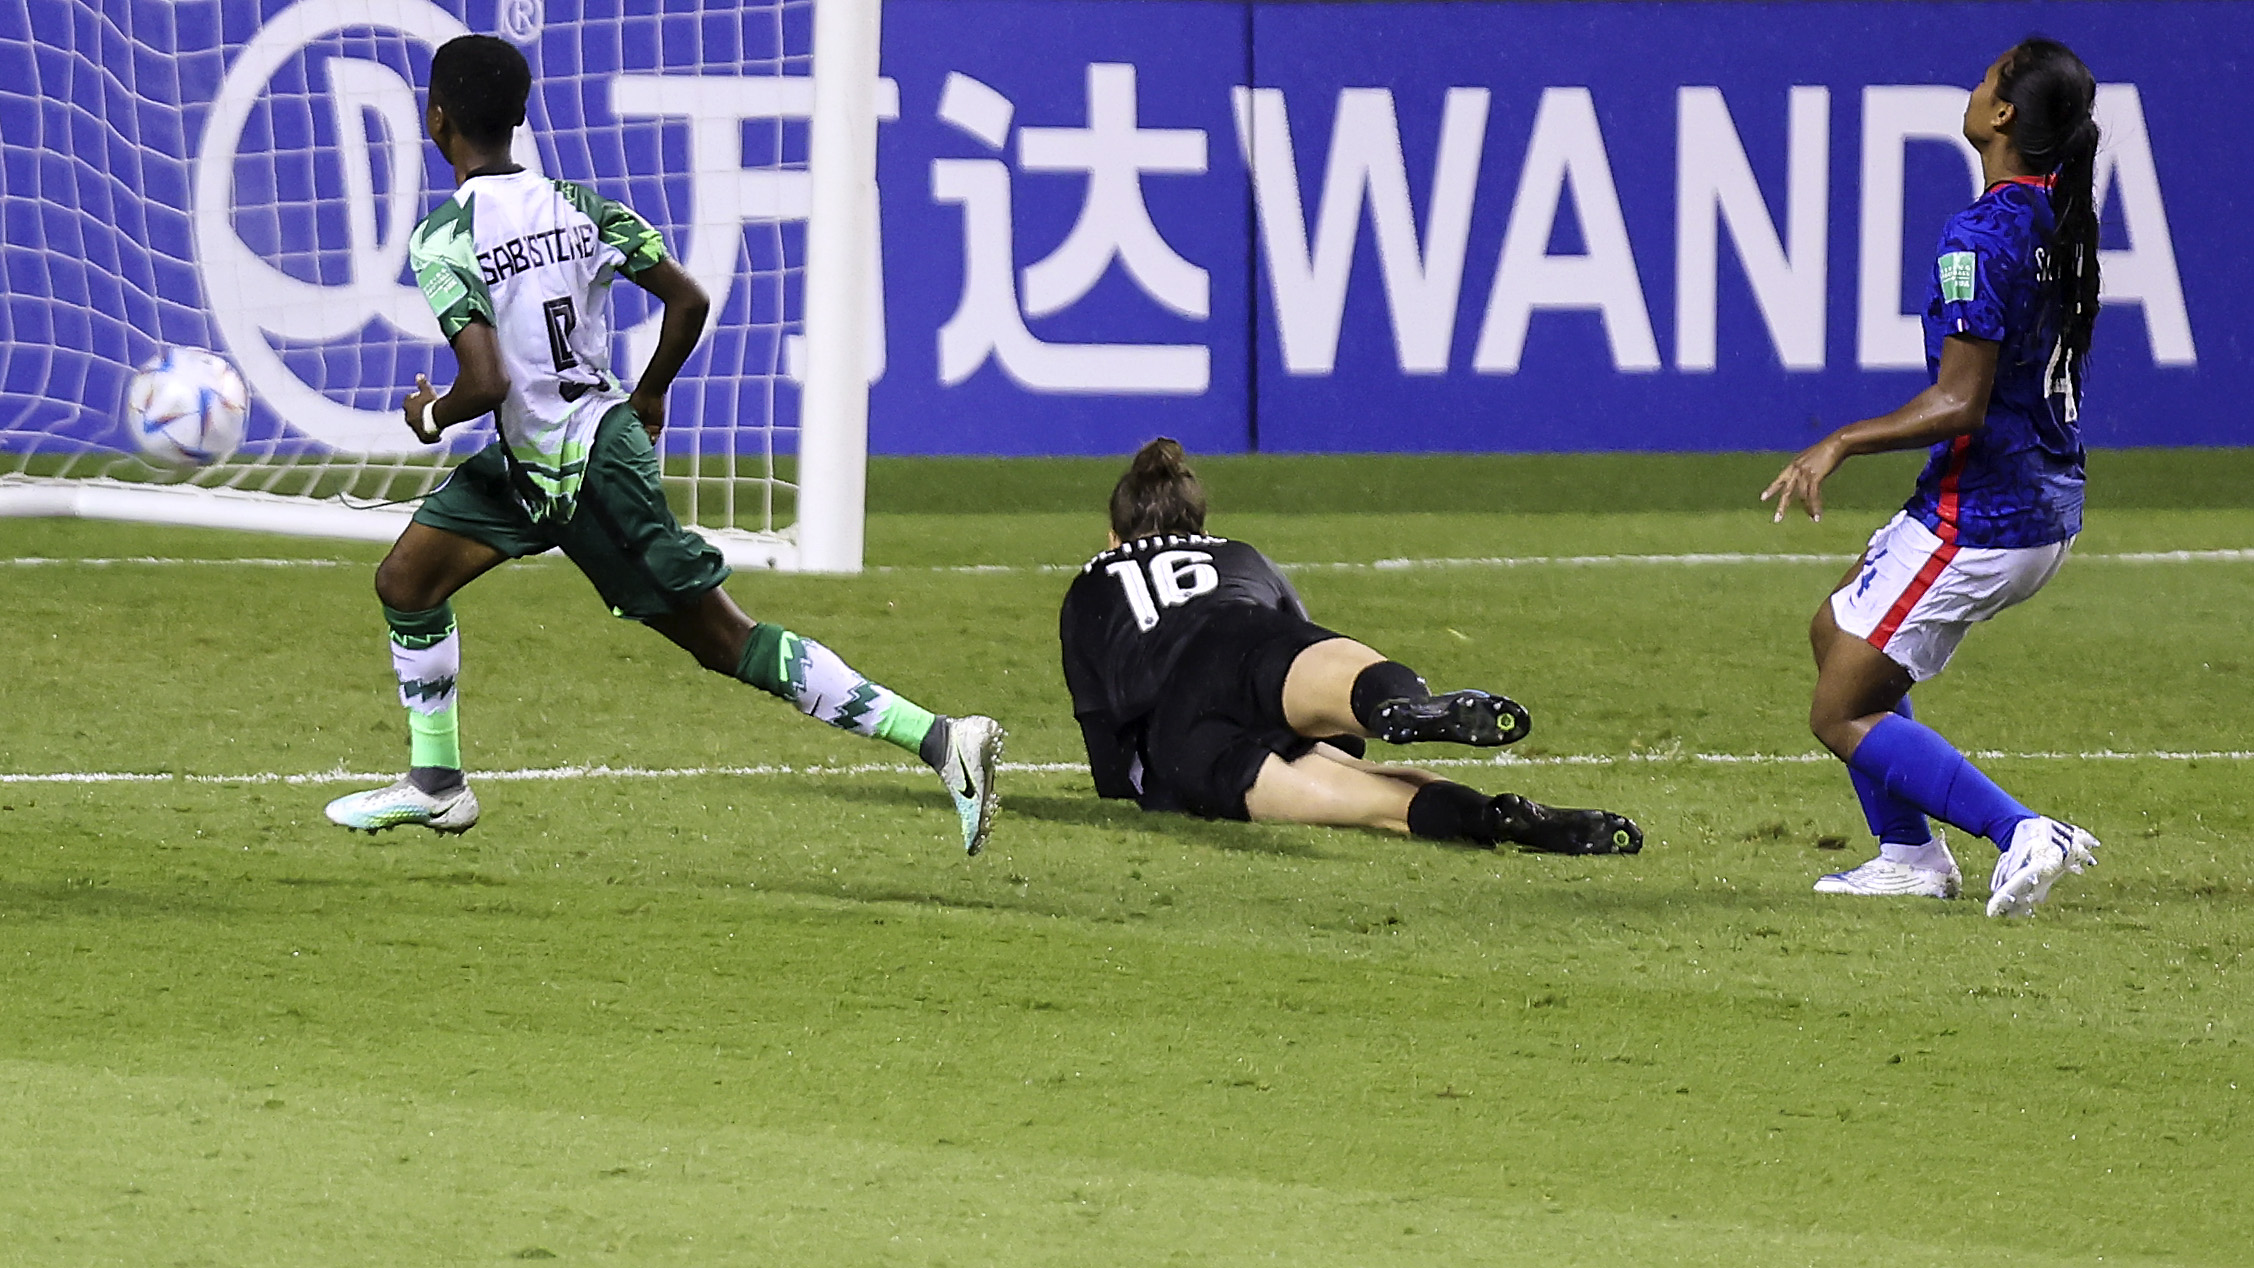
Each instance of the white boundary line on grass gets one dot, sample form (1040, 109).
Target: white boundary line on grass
(1707, 559)
(39, 561)
(547, 773)
(1726, 558)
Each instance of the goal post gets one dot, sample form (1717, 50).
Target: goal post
(841, 264)
(241, 177)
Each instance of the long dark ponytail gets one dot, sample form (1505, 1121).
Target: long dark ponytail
(1159, 494)
(2053, 96)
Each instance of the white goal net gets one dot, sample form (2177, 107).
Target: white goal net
(242, 176)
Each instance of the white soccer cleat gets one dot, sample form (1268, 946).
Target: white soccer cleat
(2042, 850)
(403, 804)
(1885, 878)
(974, 749)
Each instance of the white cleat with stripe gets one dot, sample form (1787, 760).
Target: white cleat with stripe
(1883, 877)
(2042, 850)
(404, 805)
(974, 751)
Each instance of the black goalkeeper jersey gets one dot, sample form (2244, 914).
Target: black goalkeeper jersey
(1128, 617)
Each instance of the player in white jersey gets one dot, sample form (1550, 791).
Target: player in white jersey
(518, 268)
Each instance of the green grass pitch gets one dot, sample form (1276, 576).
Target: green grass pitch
(776, 1018)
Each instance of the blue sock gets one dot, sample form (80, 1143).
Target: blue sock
(1892, 819)
(1911, 761)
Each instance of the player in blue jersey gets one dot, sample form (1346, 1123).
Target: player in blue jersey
(2009, 308)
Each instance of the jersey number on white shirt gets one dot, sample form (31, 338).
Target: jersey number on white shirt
(1176, 577)
(562, 320)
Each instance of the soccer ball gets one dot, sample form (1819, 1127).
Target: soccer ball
(186, 408)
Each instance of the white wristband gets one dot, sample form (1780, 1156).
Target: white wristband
(423, 423)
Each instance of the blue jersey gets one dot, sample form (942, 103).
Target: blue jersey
(2017, 481)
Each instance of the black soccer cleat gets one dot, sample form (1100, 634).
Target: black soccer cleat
(1459, 717)
(1531, 825)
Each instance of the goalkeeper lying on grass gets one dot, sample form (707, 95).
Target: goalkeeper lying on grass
(518, 268)
(1201, 686)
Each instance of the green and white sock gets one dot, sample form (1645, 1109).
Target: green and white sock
(426, 654)
(825, 688)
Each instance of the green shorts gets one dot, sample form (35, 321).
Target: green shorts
(622, 534)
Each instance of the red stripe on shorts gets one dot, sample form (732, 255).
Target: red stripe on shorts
(1942, 554)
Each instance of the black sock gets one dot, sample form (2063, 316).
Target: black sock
(434, 780)
(934, 747)
(1444, 811)
(1516, 820)
(1381, 684)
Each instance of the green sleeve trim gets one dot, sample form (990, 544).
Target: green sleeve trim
(443, 253)
(620, 228)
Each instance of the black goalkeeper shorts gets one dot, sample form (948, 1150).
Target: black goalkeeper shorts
(1222, 713)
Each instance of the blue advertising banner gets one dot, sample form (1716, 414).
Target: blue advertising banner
(1282, 226)
(1651, 226)
(1066, 228)
(1694, 226)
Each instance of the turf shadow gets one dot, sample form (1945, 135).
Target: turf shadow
(899, 796)
(1109, 816)
(1119, 816)
(862, 892)
(2169, 890)
(1092, 812)
(1596, 897)
(81, 899)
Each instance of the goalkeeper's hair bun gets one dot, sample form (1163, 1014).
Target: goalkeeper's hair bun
(1159, 494)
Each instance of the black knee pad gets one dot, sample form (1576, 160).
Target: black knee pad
(1381, 684)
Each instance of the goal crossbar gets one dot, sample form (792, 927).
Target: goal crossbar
(244, 510)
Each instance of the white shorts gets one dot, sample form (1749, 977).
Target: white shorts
(1916, 595)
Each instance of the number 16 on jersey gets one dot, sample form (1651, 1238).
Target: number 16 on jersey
(1175, 578)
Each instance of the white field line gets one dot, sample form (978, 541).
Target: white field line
(549, 773)
(1708, 559)
(156, 561)
(1730, 558)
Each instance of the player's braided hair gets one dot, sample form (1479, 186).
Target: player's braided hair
(2053, 94)
(1159, 494)
(481, 83)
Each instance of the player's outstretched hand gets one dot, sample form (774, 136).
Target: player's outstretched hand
(650, 408)
(1803, 478)
(417, 405)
